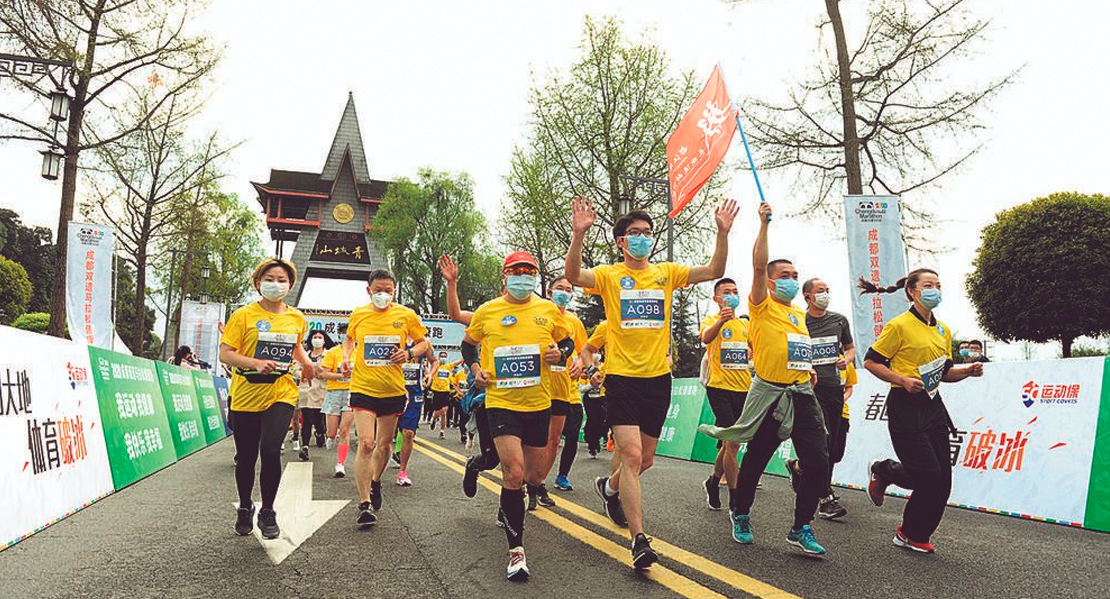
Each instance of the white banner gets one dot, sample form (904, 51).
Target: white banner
(1025, 440)
(200, 329)
(53, 460)
(875, 253)
(89, 284)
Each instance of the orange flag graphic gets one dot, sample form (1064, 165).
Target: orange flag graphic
(700, 142)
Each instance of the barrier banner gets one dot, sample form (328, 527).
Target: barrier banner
(681, 426)
(89, 284)
(53, 461)
(179, 394)
(223, 394)
(136, 428)
(210, 412)
(200, 329)
(875, 253)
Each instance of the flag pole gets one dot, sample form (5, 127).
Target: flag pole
(748, 151)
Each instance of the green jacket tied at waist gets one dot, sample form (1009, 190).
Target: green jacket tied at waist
(761, 398)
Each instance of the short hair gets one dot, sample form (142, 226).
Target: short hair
(773, 264)
(551, 285)
(907, 282)
(809, 284)
(724, 281)
(268, 263)
(965, 343)
(976, 342)
(621, 226)
(380, 274)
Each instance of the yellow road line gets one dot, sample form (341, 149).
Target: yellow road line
(708, 567)
(664, 576)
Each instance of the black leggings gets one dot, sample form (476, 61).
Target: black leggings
(596, 426)
(260, 433)
(488, 458)
(570, 434)
(311, 417)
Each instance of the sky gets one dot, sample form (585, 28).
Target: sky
(445, 84)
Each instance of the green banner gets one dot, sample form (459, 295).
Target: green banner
(133, 417)
(1097, 513)
(179, 393)
(211, 415)
(681, 427)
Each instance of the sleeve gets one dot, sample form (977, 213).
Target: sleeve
(948, 343)
(304, 327)
(680, 275)
(234, 331)
(845, 333)
(852, 378)
(758, 309)
(580, 337)
(598, 338)
(561, 326)
(601, 279)
(889, 341)
(475, 330)
(706, 323)
(417, 330)
(352, 324)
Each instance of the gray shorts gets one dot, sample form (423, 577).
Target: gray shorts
(336, 402)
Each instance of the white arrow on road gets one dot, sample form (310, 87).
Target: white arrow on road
(298, 515)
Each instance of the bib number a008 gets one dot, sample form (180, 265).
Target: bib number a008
(734, 355)
(412, 373)
(931, 374)
(277, 347)
(826, 350)
(516, 366)
(377, 349)
(643, 308)
(799, 352)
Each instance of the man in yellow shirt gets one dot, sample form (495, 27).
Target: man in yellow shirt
(373, 356)
(441, 393)
(566, 403)
(597, 428)
(637, 297)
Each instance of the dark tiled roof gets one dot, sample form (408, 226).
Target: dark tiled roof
(373, 189)
(302, 182)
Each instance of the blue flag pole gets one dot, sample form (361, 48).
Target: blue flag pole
(748, 151)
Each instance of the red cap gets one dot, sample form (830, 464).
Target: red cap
(519, 258)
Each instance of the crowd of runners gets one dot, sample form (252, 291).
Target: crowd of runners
(530, 375)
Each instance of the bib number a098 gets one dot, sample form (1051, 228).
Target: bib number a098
(643, 308)
(734, 355)
(931, 374)
(517, 366)
(826, 350)
(377, 349)
(799, 352)
(277, 347)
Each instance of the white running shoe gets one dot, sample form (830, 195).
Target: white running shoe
(340, 471)
(518, 566)
(403, 479)
(296, 445)
(469, 443)
(330, 443)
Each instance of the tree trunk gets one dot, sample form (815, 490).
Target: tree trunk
(1066, 346)
(139, 302)
(847, 100)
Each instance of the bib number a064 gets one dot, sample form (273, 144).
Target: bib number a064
(734, 355)
(931, 374)
(799, 352)
(377, 349)
(517, 366)
(643, 308)
(277, 347)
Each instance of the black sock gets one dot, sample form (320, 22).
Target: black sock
(365, 505)
(732, 495)
(512, 506)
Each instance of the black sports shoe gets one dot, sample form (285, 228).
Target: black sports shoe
(795, 476)
(470, 478)
(244, 520)
(533, 502)
(713, 493)
(303, 453)
(612, 505)
(542, 497)
(320, 440)
(365, 516)
(376, 494)
(267, 524)
(643, 556)
(830, 509)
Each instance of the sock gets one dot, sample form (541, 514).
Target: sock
(343, 449)
(365, 505)
(375, 485)
(512, 506)
(532, 490)
(609, 492)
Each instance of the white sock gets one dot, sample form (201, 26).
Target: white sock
(609, 490)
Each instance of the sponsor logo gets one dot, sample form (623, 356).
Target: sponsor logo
(262, 325)
(398, 324)
(90, 237)
(508, 321)
(628, 283)
(794, 320)
(870, 211)
(1033, 392)
(540, 320)
(78, 376)
(727, 333)
(940, 329)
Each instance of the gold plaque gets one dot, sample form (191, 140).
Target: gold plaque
(343, 213)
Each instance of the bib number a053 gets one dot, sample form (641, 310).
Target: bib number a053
(377, 349)
(517, 366)
(799, 352)
(277, 347)
(643, 308)
(734, 355)
(931, 374)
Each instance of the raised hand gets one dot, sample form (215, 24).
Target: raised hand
(764, 212)
(726, 214)
(449, 268)
(727, 313)
(583, 216)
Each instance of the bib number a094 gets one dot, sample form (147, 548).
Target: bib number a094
(799, 352)
(734, 355)
(643, 308)
(931, 374)
(277, 347)
(377, 349)
(517, 366)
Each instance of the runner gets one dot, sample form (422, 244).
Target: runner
(260, 342)
(441, 394)
(566, 403)
(833, 350)
(726, 339)
(837, 445)
(459, 386)
(597, 428)
(914, 354)
(637, 298)
(372, 355)
(311, 398)
(518, 332)
(337, 405)
(418, 376)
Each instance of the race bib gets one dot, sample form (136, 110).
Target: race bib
(643, 308)
(734, 355)
(443, 374)
(558, 368)
(826, 350)
(277, 347)
(931, 374)
(799, 352)
(517, 366)
(412, 374)
(376, 349)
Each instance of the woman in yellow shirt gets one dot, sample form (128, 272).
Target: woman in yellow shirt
(260, 343)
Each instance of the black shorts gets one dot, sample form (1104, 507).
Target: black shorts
(382, 406)
(440, 400)
(560, 407)
(727, 405)
(530, 427)
(636, 401)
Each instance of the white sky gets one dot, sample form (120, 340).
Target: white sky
(445, 84)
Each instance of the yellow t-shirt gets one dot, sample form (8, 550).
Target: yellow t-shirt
(561, 386)
(638, 304)
(333, 362)
(459, 380)
(600, 335)
(256, 333)
(441, 381)
(916, 349)
(514, 338)
(377, 335)
(780, 342)
(728, 355)
(848, 378)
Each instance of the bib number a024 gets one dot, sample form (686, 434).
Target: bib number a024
(643, 308)
(277, 347)
(826, 350)
(734, 355)
(799, 352)
(377, 349)
(931, 374)
(517, 366)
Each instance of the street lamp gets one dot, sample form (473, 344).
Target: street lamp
(51, 163)
(59, 105)
(205, 271)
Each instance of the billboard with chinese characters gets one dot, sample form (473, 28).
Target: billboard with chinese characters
(208, 401)
(179, 394)
(873, 225)
(200, 329)
(444, 333)
(340, 246)
(89, 284)
(53, 460)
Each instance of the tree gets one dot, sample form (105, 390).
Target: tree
(1040, 272)
(36, 322)
(1083, 350)
(687, 350)
(36, 253)
(15, 290)
(871, 117)
(128, 320)
(115, 47)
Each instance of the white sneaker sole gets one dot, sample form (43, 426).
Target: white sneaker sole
(904, 545)
(799, 545)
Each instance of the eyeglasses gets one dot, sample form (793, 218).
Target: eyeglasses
(521, 269)
(644, 233)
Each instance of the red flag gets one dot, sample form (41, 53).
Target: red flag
(699, 143)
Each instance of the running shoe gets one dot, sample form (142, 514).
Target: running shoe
(742, 529)
(319, 440)
(462, 439)
(611, 506)
(542, 497)
(876, 487)
(376, 494)
(267, 524)
(533, 502)
(901, 540)
(432, 425)
(805, 540)
(562, 483)
(441, 435)
(329, 444)
(303, 454)
(282, 448)
(296, 445)
(340, 471)
(643, 556)
(244, 520)
(713, 493)
(403, 479)
(470, 478)
(470, 442)
(518, 566)
(830, 509)
(593, 454)
(795, 476)
(365, 516)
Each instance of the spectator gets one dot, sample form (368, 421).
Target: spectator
(975, 352)
(184, 357)
(961, 355)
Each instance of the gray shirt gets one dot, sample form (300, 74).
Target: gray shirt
(824, 327)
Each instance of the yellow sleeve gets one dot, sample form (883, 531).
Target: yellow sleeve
(754, 309)
(475, 330)
(852, 379)
(579, 335)
(890, 340)
(600, 333)
(304, 327)
(561, 328)
(705, 324)
(416, 328)
(680, 275)
(948, 341)
(234, 331)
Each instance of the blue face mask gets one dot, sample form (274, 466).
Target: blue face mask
(520, 286)
(561, 298)
(930, 298)
(732, 301)
(786, 289)
(639, 246)
(964, 352)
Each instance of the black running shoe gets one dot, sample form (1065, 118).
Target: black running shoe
(303, 454)
(376, 494)
(267, 524)
(542, 497)
(365, 516)
(470, 478)
(795, 476)
(713, 493)
(830, 509)
(244, 520)
(612, 505)
(320, 440)
(643, 556)
(533, 502)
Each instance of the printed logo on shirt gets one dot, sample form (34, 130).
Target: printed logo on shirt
(540, 320)
(727, 333)
(628, 283)
(794, 319)
(940, 329)
(508, 321)
(398, 324)
(262, 325)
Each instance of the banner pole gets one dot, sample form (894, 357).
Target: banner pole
(748, 151)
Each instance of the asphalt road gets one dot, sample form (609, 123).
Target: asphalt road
(171, 536)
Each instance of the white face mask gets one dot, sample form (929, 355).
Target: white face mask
(317, 342)
(273, 290)
(381, 300)
(821, 300)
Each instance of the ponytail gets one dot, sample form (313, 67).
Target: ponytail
(907, 282)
